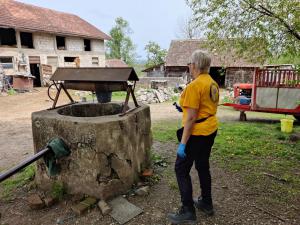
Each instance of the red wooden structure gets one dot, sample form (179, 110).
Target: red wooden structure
(278, 86)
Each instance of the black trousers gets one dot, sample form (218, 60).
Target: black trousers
(198, 149)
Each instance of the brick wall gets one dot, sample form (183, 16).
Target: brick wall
(97, 45)
(238, 75)
(43, 42)
(74, 44)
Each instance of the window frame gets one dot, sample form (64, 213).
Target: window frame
(64, 40)
(7, 65)
(96, 62)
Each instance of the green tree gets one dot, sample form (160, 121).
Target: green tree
(155, 54)
(121, 46)
(258, 29)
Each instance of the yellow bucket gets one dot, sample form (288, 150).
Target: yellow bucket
(287, 125)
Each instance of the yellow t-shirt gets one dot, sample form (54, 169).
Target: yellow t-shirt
(202, 94)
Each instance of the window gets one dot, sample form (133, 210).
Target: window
(70, 59)
(26, 40)
(60, 43)
(8, 37)
(7, 62)
(95, 61)
(87, 45)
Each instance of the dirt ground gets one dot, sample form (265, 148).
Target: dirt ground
(15, 122)
(234, 203)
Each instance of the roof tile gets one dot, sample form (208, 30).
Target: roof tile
(27, 17)
(180, 52)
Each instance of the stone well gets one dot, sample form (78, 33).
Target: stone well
(108, 151)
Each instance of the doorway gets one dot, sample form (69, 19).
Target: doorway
(218, 74)
(35, 71)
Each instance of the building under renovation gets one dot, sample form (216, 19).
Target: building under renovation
(34, 41)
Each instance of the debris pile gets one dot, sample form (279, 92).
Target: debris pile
(1, 79)
(149, 96)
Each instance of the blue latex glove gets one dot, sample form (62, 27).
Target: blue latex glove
(180, 150)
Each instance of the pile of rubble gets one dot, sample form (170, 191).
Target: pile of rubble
(1, 79)
(149, 96)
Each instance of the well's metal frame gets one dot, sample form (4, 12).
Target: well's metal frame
(106, 79)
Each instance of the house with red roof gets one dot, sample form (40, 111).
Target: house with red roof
(35, 41)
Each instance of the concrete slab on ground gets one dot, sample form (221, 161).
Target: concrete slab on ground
(123, 211)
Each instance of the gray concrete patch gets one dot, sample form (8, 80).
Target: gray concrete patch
(123, 211)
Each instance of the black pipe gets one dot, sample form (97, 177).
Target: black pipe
(12, 171)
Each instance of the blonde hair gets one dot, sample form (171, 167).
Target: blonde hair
(202, 60)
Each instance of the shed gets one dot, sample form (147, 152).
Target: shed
(226, 69)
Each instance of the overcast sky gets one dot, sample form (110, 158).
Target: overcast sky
(150, 20)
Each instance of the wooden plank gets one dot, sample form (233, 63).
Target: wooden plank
(34, 60)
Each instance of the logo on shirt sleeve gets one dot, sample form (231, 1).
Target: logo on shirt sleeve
(214, 93)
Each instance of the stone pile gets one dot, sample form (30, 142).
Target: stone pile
(1, 79)
(149, 96)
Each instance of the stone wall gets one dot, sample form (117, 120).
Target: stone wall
(107, 152)
(171, 81)
(238, 75)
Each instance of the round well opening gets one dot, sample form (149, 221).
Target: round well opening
(91, 110)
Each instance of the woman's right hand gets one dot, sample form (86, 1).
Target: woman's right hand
(181, 150)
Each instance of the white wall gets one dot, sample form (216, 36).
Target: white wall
(74, 44)
(44, 42)
(45, 45)
(97, 46)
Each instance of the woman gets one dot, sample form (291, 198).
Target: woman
(199, 102)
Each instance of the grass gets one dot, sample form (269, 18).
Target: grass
(58, 190)
(165, 131)
(11, 91)
(18, 180)
(119, 96)
(116, 96)
(251, 150)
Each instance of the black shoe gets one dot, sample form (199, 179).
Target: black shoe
(186, 215)
(206, 207)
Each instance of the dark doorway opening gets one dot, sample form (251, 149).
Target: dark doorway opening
(35, 71)
(26, 40)
(218, 74)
